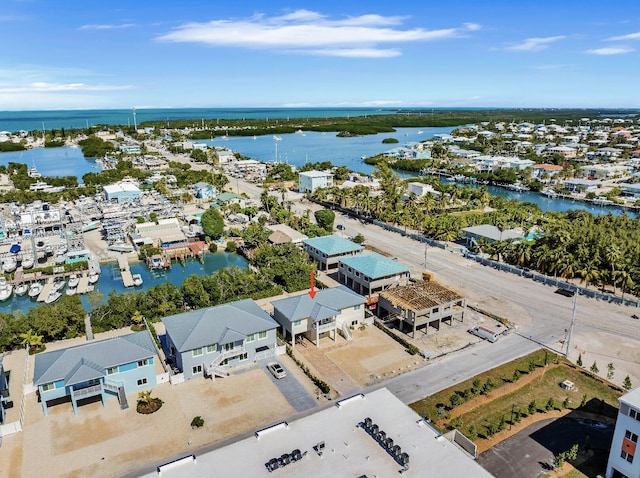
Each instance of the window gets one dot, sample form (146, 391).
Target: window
(631, 436)
(297, 323)
(634, 414)
(143, 363)
(142, 381)
(357, 274)
(244, 356)
(356, 307)
(197, 352)
(626, 456)
(112, 370)
(196, 369)
(250, 338)
(48, 386)
(262, 335)
(212, 348)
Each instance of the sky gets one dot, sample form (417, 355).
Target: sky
(69, 54)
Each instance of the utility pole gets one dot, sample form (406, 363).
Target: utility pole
(425, 256)
(573, 321)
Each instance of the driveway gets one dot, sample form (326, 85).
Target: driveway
(530, 453)
(290, 388)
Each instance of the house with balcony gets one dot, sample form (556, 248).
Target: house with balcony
(109, 368)
(328, 250)
(208, 342)
(371, 273)
(309, 181)
(622, 462)
(330, 311)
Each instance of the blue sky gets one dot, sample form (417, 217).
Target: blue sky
(503, 53)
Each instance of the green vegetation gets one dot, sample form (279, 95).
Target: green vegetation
(285, 265)
(8, 146)
(390, 141)
(197, 422)
(325, 219)
(322, 385)
(212, 223)
(486, 415)
(94, 147)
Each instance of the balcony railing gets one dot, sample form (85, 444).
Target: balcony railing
(233, 352)
(85, 392)
(325, 327)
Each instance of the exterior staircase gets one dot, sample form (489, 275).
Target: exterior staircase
(346, 332)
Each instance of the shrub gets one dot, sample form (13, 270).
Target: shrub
(322, 385)
(627, 383)
(213, 247)
(533, 407)
(231, 246)
(594, 367)
(550, 404)
(197, 422)
(455, 400)
(579, 361)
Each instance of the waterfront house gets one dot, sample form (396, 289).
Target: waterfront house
(489, 233)
(309, 181)
(632, 190)
(422, 304)
(283, 234)
(580, 185)
(420, 189)
(106, 368)
(538, 171)
(330, 311)
(210, 341)
(370, 273)
(327, 250)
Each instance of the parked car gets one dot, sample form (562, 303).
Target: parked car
(276, 370)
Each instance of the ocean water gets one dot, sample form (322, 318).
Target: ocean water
(58, 162)
(37, 120)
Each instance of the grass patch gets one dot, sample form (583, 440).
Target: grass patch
(489, 414)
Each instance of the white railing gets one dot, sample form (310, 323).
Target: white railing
(324, 327)
(87, 390)
(346, 331)
(225, 354)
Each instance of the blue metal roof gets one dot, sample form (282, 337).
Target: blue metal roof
(221, 324)
(333, 245)
(374, 265)
(332, 301)
(78, 363)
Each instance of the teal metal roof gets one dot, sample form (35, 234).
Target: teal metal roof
(225, 197)
(333, 245)
(374, 265)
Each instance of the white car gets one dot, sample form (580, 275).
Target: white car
(276, 370)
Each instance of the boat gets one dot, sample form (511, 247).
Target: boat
(74, 280)
(419, 131)
(62, 248)
(6, 289)
(33, 172)
(137, 280)
(21, 289)
(277, 138)
(121, 247)
(27, 261)
(90, 226)
(53, 296)
(9, 264)
(549, 193)
(35, 289)
(58, 283)
(255, 137)
(602, 201)
(93, 277)
(60, 258)
(71, 290)
(517, 187)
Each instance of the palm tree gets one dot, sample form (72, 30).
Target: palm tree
(590, 273)
(612, 256)
(31, 339)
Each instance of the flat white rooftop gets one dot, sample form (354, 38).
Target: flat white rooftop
(349, 450)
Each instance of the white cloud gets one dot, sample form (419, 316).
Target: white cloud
(107, 27)
(43, 87)
(535, 44)
(610, 51)
(630, 36)
(305, 31)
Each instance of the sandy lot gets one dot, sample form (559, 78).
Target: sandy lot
(109, 442)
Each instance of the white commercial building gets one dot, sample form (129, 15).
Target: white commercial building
(622, 462)
(309, 181)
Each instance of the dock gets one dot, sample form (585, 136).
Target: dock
(83, 285)
(127, 278)
(45, 291)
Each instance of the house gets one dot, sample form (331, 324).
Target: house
(540, 170)
(162, 234)
(309, 181)
(488, 232)
(122, 192)
(371, 272)
(205, 191)
(364, 435)
(631, 190)
(562, 150)
(283, 234)
(330, 311)
(420, 189)
(231, 198)
(580, 185)
(106, 368)
(605, 171)
(5, 398)
(422, 304)
(211, 340)
(327, 250)
(622, 462)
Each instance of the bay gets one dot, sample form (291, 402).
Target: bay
(57, 162)
(110, 278)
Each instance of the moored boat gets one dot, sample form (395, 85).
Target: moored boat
(53, 296)
(35, 289)
(74, 280)
(6, 289)
(58, 283)
(21, 289)
(71, 290)
(9, 264)
(93, 277)
(27, 261)
(137, 280)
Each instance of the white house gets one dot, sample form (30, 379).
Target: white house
(309, 181)
(622, 462)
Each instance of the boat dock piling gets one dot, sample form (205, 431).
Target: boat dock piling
(123, 264)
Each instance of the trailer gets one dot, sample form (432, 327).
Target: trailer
(484, 333)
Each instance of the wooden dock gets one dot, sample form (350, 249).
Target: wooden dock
(127, 278)
(83, 285)
(48, 286)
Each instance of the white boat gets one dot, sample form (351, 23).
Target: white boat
(93, 277)
(549, 193)
(255, 137)
(35, 289)
(71, 290)
(58, 283)
(62, 248)
(419, 131)
(121, 248)
(137, 280)
(74, 280)
(90, 226)
(5, 289)
(53, 296)
(60, 258)
(9, 264)
(21, 289)
(517, 187)
(33, 172)
(27, 261)
(602, 201)
(277, 138)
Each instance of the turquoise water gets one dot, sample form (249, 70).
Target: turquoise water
(59, 162)
(110, 278)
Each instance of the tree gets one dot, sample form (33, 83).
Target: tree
(558, 460)
(565, 402)
(473, 432)
(358, 239)
(138, 319)
(627, 383)
(31, 339)
(594, 367)
(610, 370)
(579, 362)
(212, 223)
(533, 407)
(583, 402)
(325, 219)
(550, 405)
(455, 400)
